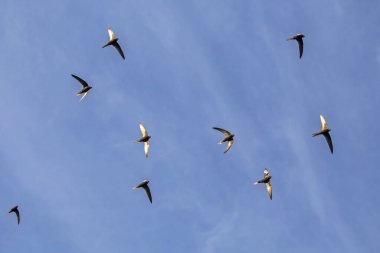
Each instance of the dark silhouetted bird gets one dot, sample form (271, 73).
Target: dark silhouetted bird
(86, 87)
(229, 137)
(325, 132)
(145, 138)
(144, 184)
(266, 181)
(299, 39)
(15, 210)
(113, 41)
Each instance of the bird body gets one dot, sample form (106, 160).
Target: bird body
(228, 138)
(84, 90)
(325, 132)
(17, 212)
(145, 139)
(299, 38)
(266, 181)
(114, 42)
(144, 184)
(110, 42)
(322, 132)
(86, 87)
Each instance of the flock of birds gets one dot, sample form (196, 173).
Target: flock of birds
(229, 137)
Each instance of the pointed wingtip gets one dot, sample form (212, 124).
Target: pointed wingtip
(255, 183)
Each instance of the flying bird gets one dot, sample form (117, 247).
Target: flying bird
(229, 137)
(325, 132)
(113, 41)
(299, 39)
(15, 210)
(266, 181)
(144, 184)
(145, 138)
(86, 87)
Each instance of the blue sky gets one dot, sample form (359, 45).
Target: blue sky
(190, 66)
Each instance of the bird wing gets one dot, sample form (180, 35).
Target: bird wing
(146, 148)
(15, 210)
(225, 132)
(84, 95)
(300, 45)
(143, 130)
(118, 48)
(269, 189)
(18, 216)
(146, 188)
(80, 80)
(329, 141)
(229, 145)
(260, 181)
(323, 122)
(111, 34)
